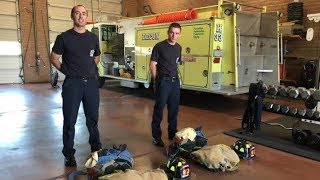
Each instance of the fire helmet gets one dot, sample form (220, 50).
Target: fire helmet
(177, 168)
(244, 149)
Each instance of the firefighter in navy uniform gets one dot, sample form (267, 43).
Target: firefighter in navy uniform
(163, 65)
(80, 52)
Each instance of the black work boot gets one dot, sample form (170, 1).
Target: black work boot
(171, 138)
(158, 142)
(70, 161)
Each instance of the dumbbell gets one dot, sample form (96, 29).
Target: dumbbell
(316, 95)
(268, 106)
(301, 136)
(265, 88)
(301, 112)
(305, 93)
(273, 90)
(311, 103)
(276, 108)
(284, 109)
(300, 89)
(313, 141)
(293, 111)
(316, 115)
(312, 90)
(309, 113)
(293, 92)
(283, 91)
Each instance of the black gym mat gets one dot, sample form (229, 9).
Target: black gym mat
(279, 138)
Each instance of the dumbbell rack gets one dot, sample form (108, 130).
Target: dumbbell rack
(300, 93)
(311, 96)
(306, 130)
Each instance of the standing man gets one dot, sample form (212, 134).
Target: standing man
(80, 52)
(163, 65)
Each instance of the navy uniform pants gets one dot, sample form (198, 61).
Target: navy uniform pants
(167, 92)
(75, 90)
(258, 112)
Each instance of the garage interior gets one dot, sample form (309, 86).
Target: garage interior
(31, 117)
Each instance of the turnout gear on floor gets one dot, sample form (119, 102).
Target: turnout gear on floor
(217, 157)
(187, 140)
(107, 161)
(155, 174)
(244, 149)
(251, 120)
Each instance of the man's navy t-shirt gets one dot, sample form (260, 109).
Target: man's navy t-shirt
(78, 51)
(166, 56)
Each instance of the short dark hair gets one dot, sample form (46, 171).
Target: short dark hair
(74, 8)
(174, 25)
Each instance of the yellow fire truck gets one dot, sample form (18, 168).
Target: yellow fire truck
(224, 48)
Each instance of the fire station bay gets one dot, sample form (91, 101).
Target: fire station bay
(157, 90)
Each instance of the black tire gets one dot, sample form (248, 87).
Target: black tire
(101, 81)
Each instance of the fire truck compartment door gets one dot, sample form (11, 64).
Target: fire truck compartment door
(142, 67)
(195, 42)
(196, 72)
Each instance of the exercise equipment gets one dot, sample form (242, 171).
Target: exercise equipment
(300, 136)
(309, 113)
(268, 106)
(301, 112)
(293, 92)
(283, 91)
(305, 132)
(276, 108)
(273, 90)
(284, 109)
(313, 141)
(316, 115)
(293, 111)
(310, 103)
(305, 94)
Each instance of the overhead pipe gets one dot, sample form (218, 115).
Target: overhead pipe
(171, 17)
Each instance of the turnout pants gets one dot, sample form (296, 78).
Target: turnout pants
(75, 90)
(167, 92)
(258, 112)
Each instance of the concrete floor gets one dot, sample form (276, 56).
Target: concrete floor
(31, 133)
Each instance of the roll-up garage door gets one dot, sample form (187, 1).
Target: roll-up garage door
(10, 46)
(99, 11)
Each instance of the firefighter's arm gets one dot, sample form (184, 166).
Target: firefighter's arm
(96, 59)
(54, 59)
(153, 69)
